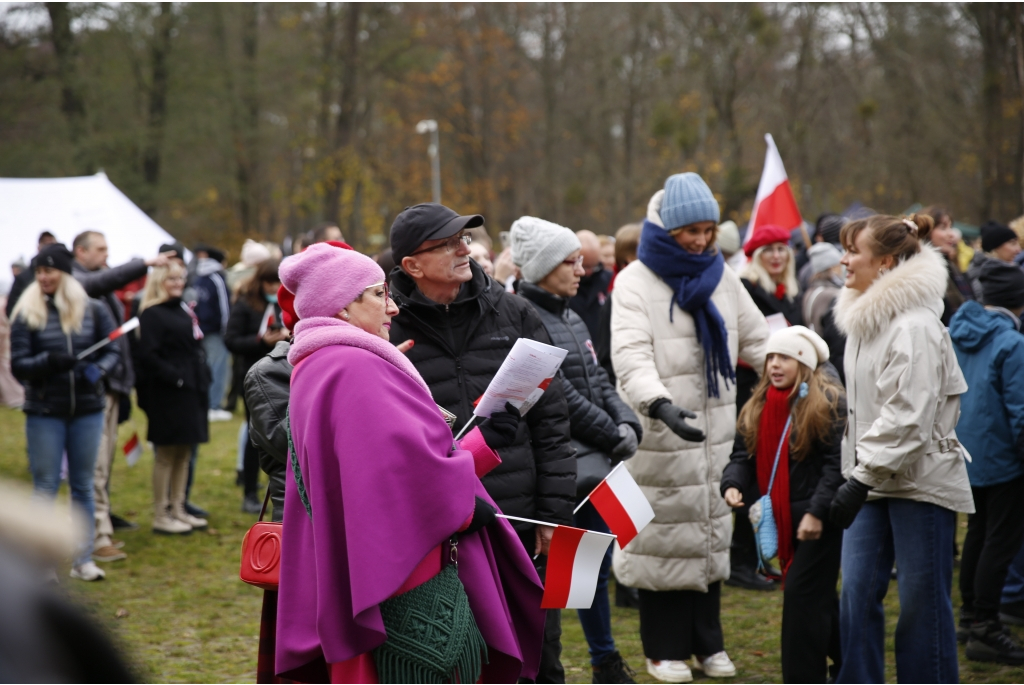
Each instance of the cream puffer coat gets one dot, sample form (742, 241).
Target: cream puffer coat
(903, 387)
(686, 547)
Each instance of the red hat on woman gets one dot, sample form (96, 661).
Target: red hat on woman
(766, 235)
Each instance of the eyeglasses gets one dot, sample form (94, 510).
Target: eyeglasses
(387, 290)
(577, 262)
(452, 244)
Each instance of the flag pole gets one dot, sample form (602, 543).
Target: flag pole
(466, 427)
(587, 498)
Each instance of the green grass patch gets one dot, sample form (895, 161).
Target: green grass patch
(180, 614)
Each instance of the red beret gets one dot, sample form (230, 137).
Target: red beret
(286, 300)
(766, 235)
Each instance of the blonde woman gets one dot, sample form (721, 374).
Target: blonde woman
(53, 322)
(770, 276)
(172, 389)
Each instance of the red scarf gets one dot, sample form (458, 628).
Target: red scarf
(769, 435)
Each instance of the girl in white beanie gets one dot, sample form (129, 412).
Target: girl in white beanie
(795, 419)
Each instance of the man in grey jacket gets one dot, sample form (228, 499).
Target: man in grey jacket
(100, 281)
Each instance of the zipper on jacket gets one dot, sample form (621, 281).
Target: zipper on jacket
(71, 375)
(466, 403)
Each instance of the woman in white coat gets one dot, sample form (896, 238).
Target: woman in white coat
(906, 473)
(680, 321)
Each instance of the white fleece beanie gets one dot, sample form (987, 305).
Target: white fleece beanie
(538, 246)
(800, 343)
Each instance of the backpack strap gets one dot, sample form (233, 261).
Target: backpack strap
(294, 460)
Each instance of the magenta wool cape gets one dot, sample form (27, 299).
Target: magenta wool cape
(386, 486)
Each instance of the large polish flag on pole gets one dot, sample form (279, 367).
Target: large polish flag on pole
(622, 504)
(774, 203)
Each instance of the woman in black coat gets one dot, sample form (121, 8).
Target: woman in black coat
(254, 327)
(172, 390)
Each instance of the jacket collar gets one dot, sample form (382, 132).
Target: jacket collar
(406, 294)
(917, 282)
(542, 298)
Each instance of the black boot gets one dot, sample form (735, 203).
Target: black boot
(749, 579)
(989, 641)
(963, 628)
(1012, 613)
(613, 669)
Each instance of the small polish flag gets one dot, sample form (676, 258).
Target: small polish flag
(574, 561)
(129, 325)
(132, 449)
(774, 203)
(622, 504)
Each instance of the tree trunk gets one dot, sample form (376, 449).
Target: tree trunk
(72, 103)
(160, 47)
(344, 122)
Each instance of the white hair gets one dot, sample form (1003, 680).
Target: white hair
(755, 272)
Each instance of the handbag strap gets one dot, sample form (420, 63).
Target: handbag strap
(294, 460)
(266, 499)
(778, 453)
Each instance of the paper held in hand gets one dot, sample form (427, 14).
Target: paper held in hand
(523, 377)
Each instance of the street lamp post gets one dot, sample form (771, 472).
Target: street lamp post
(434, 152)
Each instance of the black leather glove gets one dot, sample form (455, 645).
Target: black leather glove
(627, 444)
(60, 361)
(850, 497)
(675, 418)
(483, 515)
(500, 429)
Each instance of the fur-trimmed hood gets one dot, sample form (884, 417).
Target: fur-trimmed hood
(917, 282)
(654, 209)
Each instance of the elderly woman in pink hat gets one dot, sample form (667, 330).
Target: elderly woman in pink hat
(393, 565)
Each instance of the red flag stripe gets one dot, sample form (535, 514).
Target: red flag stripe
(559, 571)
(779, 208)
(132, 443)
(613, 513)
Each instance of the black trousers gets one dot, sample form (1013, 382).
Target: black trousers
(743, 551)
(250, 465)
(551, 670)
(810, 609)
(676, 624)
(994, 536)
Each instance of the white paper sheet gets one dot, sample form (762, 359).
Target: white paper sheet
(523, 377)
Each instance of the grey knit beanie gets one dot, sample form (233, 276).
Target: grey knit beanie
(823, 256)
(687, 200)
(538, 246)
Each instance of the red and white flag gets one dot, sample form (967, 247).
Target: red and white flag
(129, 325)
(574, 561)
(774, 203)
(132, 449)
(622, 504)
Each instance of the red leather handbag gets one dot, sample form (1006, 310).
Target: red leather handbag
(261, 552)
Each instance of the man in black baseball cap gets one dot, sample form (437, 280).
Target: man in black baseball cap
(463, 324)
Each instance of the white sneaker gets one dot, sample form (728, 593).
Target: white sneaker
(193, 522)
(670, 671)
(168, 525)
(716, 666)
(88, 571)
(215, 415)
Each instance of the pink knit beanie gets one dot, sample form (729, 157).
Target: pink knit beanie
(325, 279)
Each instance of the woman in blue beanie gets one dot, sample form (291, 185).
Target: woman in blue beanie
(680, 322)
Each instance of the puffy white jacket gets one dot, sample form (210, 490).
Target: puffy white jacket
(686, 547)
(903, 387)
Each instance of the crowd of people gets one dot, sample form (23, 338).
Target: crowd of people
(795, 406)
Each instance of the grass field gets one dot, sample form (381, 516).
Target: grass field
(180, 613)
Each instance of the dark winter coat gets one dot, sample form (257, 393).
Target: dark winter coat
(813, 480)
(213, 302)
(101, 284)
(267, 388)
(66, 394)
(587, 301)
(769, 304)
(21, 281)
(595, 408)
(174, 378)
(242, 336)
(458, 349)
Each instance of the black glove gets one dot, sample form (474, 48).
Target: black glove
(627, 444)
(500, 429)
(483, 515)
(675, 418)
(60, 361)
(850, 497)
(92, 373)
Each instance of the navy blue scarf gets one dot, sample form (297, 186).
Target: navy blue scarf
(693, 279)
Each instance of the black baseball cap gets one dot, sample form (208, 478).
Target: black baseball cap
(426, 221)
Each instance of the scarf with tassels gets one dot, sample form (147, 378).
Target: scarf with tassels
(769, 437)
(693, 279)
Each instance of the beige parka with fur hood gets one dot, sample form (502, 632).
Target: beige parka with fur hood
(686, 547)
(903, 386)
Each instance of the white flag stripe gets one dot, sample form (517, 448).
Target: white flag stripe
(631, 497)
(585, 569)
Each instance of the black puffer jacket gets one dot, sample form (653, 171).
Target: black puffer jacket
(65, 394)
(267, 388)
(458, 349)
(813, 481)
(595, 409)
(769, 304)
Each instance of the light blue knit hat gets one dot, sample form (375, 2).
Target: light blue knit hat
(687, 200)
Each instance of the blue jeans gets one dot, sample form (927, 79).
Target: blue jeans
(48, 438)
(1013, 589)
(219, 360)
(919, 537)
(597, 620)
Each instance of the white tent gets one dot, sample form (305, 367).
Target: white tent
(66, 207)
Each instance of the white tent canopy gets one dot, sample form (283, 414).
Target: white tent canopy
(66, 207)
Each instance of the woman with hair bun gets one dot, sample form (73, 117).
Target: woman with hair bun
(906, 476)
